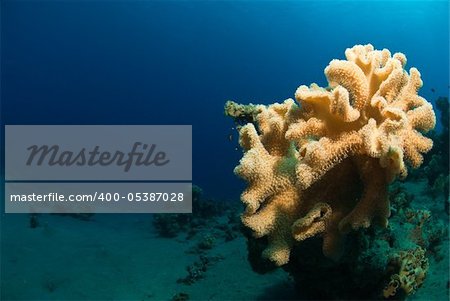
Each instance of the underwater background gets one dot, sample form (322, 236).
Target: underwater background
(178, 62)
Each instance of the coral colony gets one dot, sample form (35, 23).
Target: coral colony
(321, 165)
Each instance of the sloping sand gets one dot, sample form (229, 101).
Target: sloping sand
(121, 257)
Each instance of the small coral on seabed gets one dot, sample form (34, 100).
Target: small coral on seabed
(412, 269)
(321, 165)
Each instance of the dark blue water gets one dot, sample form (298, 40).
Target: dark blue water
(152, 62)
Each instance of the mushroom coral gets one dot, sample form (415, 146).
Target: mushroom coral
(321, 165)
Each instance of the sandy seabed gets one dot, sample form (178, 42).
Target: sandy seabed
(121, 257)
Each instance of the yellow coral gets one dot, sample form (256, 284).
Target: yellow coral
(304, 161)
(313, 223)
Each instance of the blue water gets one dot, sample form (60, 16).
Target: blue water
(157, 62)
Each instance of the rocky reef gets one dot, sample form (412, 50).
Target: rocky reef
(205, 214)
(318, 171)
(436, 163)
